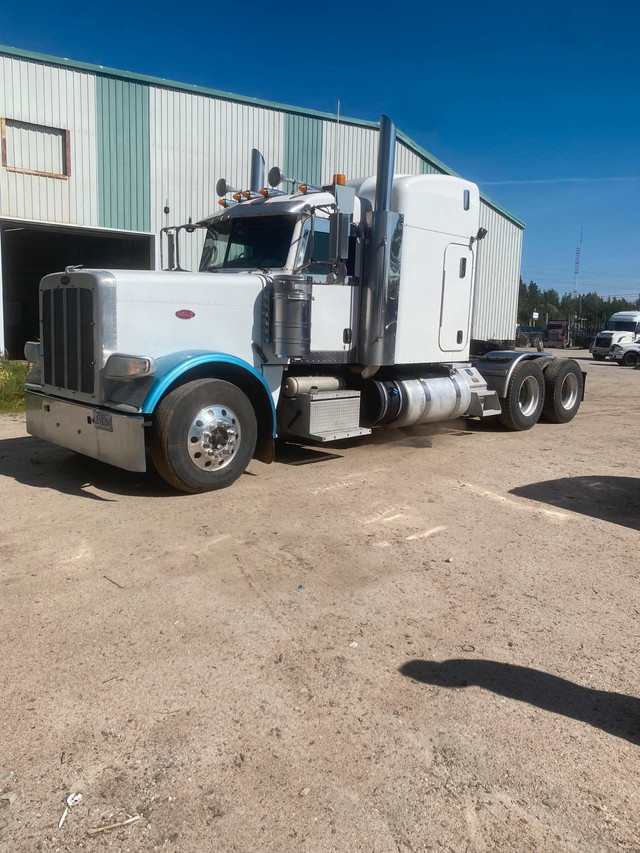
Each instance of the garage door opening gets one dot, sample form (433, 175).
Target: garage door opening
(30, 252)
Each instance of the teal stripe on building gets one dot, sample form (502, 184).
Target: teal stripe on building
(303, 148)
(124, 183)
(429, 169)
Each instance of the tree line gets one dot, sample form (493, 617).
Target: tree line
(551, 306)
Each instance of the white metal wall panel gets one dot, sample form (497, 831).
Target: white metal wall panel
(61, 98)
(195, 140)
(32, 147)
(354, 151)
(496, 296)
(407, 161)
(348, 149)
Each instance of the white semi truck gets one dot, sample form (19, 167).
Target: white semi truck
(622, 328)
(316, 315)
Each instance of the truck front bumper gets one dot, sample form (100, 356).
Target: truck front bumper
(108, 436)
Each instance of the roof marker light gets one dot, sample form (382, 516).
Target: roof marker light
(237, 196)
(264, 192)
(340, 180)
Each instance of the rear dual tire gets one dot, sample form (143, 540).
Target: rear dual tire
(563, 391)
(522, 405)
(554, 395)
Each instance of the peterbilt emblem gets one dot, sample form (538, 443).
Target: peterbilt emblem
(185, 314)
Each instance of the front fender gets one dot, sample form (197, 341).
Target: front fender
(171, 368)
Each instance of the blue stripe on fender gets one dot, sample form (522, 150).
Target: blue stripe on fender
(171, 367)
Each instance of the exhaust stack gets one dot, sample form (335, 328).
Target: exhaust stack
(379, 301)
(386, 163)
(257, 171)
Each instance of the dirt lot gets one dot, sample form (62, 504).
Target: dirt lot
(427, 640)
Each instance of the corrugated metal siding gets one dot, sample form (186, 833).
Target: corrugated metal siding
(194, 141)
(354, 151)
(303, 148)
(496, 295)
(123, 154)
(34, 148)
(54, 97)
(348, 149)
(428, 169)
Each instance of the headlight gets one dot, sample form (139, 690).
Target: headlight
(129, 366)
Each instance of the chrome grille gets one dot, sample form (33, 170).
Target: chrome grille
(603, 341)
(67, 338)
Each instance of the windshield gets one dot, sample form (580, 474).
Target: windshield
(621, 325)
(248, 242)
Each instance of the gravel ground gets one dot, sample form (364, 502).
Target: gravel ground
(425, 640)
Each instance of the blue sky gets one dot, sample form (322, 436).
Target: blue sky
(538, 103)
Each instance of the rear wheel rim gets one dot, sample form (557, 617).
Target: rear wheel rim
(529, 396)
(569, 391)
(213, 438)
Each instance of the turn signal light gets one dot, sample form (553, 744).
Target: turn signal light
(237, 196)
(340, 180)
(264, 191)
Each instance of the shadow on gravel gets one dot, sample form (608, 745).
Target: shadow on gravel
(288, 453)
(614, 499)
(614, 713)
(39, 464)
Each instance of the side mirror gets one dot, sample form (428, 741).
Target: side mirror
(222, 188)
(339, 235)
(275, 176)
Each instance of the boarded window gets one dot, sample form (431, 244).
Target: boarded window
(35, 149)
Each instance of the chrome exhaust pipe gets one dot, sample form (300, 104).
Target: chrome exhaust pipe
(379, 299)
(257, 171)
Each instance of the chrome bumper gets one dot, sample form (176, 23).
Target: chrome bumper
(73, 425)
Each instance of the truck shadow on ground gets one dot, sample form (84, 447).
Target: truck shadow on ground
(614, 499)
(39, 464)
(614, 713)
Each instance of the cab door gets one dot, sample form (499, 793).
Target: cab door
(455, 304)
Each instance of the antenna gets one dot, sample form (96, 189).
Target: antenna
(336, 164)
(576, 271)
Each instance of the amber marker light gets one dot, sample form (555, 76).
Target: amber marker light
(302, 188)
(246, 193)
(340, 180)
(237, 196)
(264, 192)
(222, 203)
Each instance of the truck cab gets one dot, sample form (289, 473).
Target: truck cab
(317, 314)
(622, 327)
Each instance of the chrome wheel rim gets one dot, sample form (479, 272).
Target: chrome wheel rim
(529, 396)
(214, 438)
(569, 391)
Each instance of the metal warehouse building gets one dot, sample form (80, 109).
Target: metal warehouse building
(91, 156)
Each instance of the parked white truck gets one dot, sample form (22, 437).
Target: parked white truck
(622, 328)
(316, 315)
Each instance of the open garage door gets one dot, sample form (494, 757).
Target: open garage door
(31, 251)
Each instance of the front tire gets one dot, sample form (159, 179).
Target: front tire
(522, 406)
(630, 359)
(563, 390)
(204, 435)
